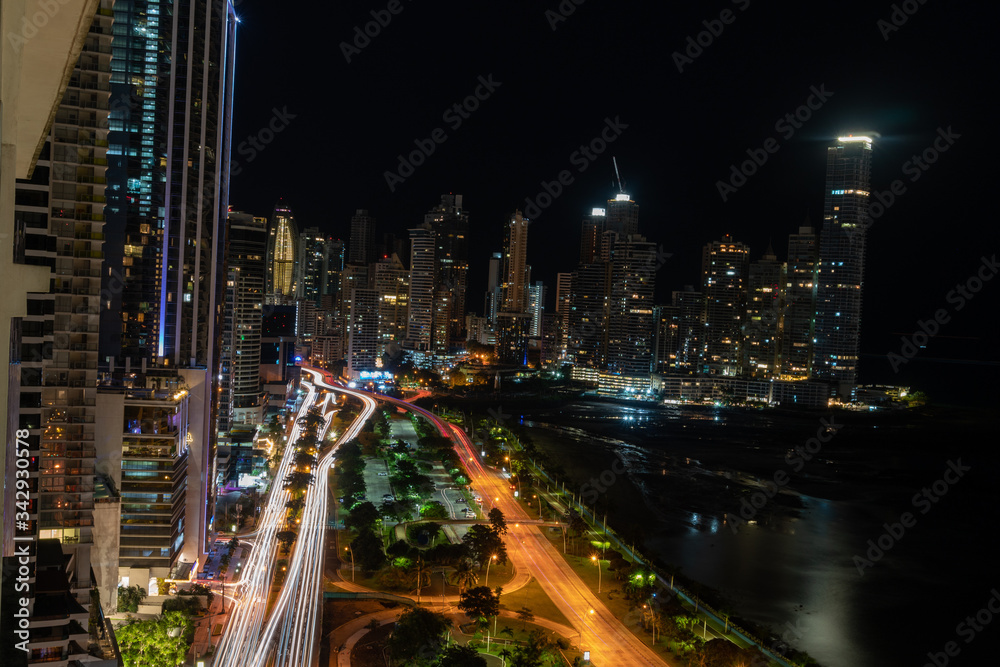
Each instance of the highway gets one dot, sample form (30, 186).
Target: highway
(287, 637)
(601, 633)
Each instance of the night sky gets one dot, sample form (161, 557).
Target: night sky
(684, 131)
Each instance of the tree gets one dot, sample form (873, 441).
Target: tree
(130, 598)
(498, 521)
(479, 602)
(363, 517)
(418, 637)
(298, 482)
(296, 504)
(161, 642)
(465, 576)
(304, 459)
(367, 550)
(526, 617)
(286, 537)
(457, 655)
(484, 543)
(530, 654)
(434, 510)
(432, 528)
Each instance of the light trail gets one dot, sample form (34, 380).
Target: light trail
(287, 637)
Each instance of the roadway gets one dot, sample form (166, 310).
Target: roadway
(601, 633)
(289, 634)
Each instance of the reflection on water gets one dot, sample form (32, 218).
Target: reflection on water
(792, 569)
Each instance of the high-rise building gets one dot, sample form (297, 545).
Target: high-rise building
(630, 309)
(516, 274)
(314, 253)
(451, 227)
(588, 317)
(564, 295)
(666, 338)
(724, 270)
(59, 221)
(799, 312)
(361, 247)
(168, 174)
(691, 336)
(536, 306)
(241, 399)
(363, 338)
(333, 269)
(283, 260)
(392, 284)
(423, 279)
(842, 261)
(622, 215)
(762, 329)
(590, 235)
(513, 324)
(494, 287)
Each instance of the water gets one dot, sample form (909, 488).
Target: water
(688, 468)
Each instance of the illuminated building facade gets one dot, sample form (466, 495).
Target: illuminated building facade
(762, 331)
(799, 311)
(724, 270)
(842, 262)
(282, 256)
(630, 308)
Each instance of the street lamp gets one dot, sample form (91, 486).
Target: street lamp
(598, 562)
(351, 551)
(488, 563)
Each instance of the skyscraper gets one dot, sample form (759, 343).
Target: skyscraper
(451, 227)
(423, 278)
(361, 248)
(690, 305)
(799, 312)
(590, 235)
(392, 284)
(842, 261)
(59, 222)
(514, 321)
(168, 175)
(724, 270)
(283, 259)
(762, 332)
(622, 215)
(494, 287)
(564, 295)
(630, 309)
(516, 273)
(588, 316)
(536, 306)
(240, 401)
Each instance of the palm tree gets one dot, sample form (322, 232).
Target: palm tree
(465, 576)
(504, 656)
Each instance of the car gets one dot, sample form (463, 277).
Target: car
(383, 474)
(388, 496)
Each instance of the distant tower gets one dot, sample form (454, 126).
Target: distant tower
(799, 313)
(282, 251)
(765, 301)
(423, 276)
(451, 226)
(630, 309)
(361, 249)
(514, 321)
(724, 269)
(842, 261)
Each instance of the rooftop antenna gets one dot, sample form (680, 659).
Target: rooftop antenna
(621, 188)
